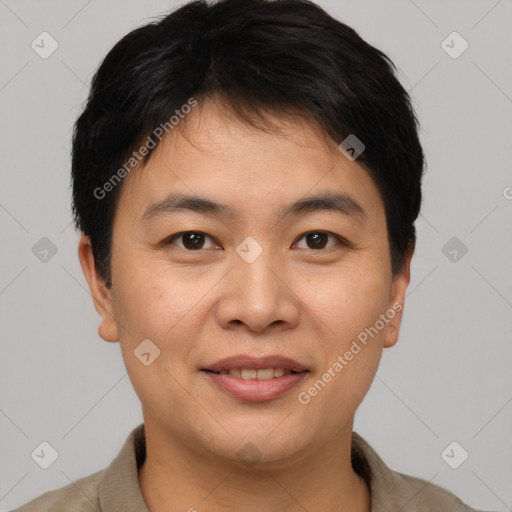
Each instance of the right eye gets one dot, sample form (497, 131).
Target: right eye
(191, 240)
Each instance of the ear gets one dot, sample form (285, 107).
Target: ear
(101, 295)
(397, 299)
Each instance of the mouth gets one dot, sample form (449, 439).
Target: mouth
(255, 379)
(254, 374)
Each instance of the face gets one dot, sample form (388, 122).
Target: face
(250, 284)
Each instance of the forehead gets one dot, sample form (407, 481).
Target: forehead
(215, 156)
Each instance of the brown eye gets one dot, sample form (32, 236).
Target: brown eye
(319, 239)
(191, 240)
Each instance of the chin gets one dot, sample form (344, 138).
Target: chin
(260, 444)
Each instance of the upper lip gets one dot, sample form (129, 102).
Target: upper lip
(256, 363)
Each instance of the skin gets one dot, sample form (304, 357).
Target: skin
(199, 306)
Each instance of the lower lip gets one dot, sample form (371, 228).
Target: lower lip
(256, 390)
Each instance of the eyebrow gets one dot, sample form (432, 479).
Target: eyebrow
(337, 202)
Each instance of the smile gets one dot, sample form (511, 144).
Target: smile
(255, 379)
(251, 373)
(254, 389)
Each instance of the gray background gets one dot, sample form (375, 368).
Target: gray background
(449, 377)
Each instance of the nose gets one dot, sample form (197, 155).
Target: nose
(259, 296)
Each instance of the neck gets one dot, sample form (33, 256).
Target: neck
(176, 478)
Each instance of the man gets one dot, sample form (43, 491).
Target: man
(246, 178)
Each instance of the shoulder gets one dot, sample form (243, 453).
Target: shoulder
(78, 496)
(115, 486)
(418, 495)
(392, 490)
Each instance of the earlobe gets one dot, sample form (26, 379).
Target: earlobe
(393, 328)
(101, 295)
(399, 288)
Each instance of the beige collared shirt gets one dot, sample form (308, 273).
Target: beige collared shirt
(116, 488)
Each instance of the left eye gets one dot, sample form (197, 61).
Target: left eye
(194, 240)
(318, 239)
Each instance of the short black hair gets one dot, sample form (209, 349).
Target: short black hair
(278, 56)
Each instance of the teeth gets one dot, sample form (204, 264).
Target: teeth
(251, 374)
(266, 374)
(278, 372)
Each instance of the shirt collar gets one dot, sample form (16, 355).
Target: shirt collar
(380, 478)
(119, 489)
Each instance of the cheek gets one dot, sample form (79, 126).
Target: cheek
(347, 303)
(352, 310)
(350, 348)
(158, 308)
(148, 303)
(164, 306)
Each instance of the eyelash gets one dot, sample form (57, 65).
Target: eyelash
(341, 240)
